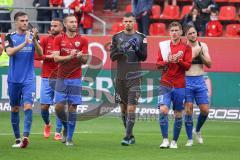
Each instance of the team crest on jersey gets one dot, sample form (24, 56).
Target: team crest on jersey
(77, 44)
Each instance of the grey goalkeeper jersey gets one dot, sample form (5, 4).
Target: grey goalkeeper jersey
(128, 51)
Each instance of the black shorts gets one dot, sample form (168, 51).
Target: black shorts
(128, 91)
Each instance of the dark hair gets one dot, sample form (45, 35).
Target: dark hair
(70, 15)
(19, 14)
(187, 27)
(175, 24)
(129, 14)
(58, 20)
(214, 11)
(193, 8)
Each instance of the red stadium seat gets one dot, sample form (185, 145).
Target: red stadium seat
(227, 13)
(157, 29)
(170, 12)
(128, 8)
(156, 10)
(118, 26)
(232, 30)
(186, 10)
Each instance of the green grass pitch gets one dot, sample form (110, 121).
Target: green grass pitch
(99, 139)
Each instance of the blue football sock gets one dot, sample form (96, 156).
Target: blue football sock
(189, 125)
(71, 125)
(201, 119)
(177, 128)
(27, 122)
(62, 116)
(58, 125)
(163, 121)
(45, 116)
(15, 120)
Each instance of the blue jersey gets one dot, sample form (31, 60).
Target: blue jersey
(21, 65)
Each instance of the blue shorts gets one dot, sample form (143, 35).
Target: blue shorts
(68, 91)
(21, 93)
(47, 91)
(196, 89)
(176, 96)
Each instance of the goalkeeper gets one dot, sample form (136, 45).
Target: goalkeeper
(128, 49)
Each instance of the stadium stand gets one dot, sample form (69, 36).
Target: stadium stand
(157, 29)
(156, 10)
(227, 13)
(232, 30)
(185, 10)
(170, 12)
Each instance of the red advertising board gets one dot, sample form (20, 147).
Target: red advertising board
(225, 52)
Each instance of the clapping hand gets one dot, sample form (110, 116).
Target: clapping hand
(35, 33)
(174, 58)
(28, 40)
(79, 54)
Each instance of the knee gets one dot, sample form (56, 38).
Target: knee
(59, 108)
(27, 106)
(15, 109)
(178, 114)
(72, 108)
(44, 107)
(123, 108)
(131, 109)
(204, 110)
(163, 109)
(188, 109)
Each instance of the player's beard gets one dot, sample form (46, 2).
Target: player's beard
(72, 29)
(55, 33)
(129, 28)
(192, 41)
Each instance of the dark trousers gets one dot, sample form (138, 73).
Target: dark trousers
(143, 24)
(43, 27)
(4, 27)
(109, 5)
(203, 27)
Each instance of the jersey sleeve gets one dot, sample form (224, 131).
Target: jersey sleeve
(114, 52)
(72, 5)
(160, 62)
(186, 61)
(8, 41)
(57, 43)
(42, 43)
(85, 45)
(142, 53)
(87, 7)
